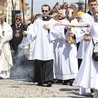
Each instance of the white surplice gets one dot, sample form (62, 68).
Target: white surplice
(5, 57)
(65, 61)
(43, 48)
(88, 73)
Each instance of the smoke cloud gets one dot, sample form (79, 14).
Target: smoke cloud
(22, 68)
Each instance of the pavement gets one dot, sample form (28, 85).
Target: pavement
(20, 88)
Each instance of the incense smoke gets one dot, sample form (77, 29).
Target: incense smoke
(22, 68)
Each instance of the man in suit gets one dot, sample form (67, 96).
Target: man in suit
(18, 31)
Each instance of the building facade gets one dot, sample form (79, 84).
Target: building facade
(17, 5)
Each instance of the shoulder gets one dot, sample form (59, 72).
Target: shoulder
(86, 15)
(30, 26)
(38, 20)
(6, 24)
(52, 20)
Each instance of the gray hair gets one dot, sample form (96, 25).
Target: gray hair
(18, 15)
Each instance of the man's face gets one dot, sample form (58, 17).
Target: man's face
(17, 20)
(45, 11)
(60, 14)
(92, 5)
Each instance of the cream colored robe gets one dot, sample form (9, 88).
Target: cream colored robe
(5, 57)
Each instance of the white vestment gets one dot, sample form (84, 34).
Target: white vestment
(5, 57)
(83, 44)
(65, 61)
(88, 73)
(43, 48)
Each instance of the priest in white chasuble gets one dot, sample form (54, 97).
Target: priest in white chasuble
(5, 51)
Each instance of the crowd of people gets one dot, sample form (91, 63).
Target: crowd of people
(59, 49)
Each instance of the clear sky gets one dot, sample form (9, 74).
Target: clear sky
(37, 3)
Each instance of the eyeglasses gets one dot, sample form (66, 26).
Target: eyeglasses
(44, 10)
(18, 19)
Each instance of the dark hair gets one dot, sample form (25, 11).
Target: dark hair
(46, 5)
(89, 1)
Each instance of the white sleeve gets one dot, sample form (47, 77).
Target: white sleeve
(7, 36)
(56, 32)
(32, 32)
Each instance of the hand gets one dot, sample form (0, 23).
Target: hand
(70, 40)
(47, 27)
(87, 37)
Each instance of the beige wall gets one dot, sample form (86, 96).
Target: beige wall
(16, 7)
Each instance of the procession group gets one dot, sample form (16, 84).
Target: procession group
(60, 48)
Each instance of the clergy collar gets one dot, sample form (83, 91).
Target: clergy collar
(46, 18)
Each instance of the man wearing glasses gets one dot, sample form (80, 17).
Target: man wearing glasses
(18, 30)
(43, 51)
